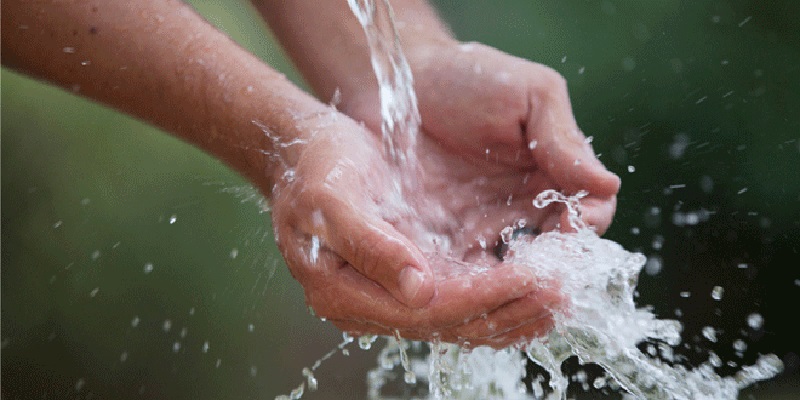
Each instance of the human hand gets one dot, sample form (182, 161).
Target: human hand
(351, 241)
(496, 131)
(499, 130)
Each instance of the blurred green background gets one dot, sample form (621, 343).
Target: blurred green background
(135, 266)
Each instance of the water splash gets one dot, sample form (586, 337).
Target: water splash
(601, 325)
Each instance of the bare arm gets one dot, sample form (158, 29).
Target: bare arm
(161, 62)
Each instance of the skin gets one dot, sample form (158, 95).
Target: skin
(366, 261)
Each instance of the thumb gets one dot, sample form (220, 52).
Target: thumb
(382, 254)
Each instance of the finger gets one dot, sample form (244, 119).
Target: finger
(381, 253)
(598, 212)
(463, 294)
(534, 309)
(562, 149)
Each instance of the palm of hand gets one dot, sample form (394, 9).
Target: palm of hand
(477, 174)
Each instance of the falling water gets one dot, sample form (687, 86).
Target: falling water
(602, 325)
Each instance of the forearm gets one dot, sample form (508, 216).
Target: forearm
(161, 62)
(328, 46)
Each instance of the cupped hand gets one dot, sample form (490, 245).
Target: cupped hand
(364, 247)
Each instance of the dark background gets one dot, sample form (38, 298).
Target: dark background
(696, 105)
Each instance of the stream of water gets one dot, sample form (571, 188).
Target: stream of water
(603, 325)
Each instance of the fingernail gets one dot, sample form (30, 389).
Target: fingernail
(411, 280)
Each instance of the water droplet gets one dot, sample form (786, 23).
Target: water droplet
(251, 327)
(94, 292)
(95, 255)
(581, 70)
(653, 265)
(631, 169)
(86, 62)
(755, 321)
(167, 325)
(410, 377)
(717, 292)
(532, 144)
(739, 345)
(310, 379)
(253, 371)
(686, 294)
(365, 342)
(710, 333)
(176, 347)
(148, 268)
(68, 50)
(123, 357)
(79, 384)
(58, 224)
(173, 219)
(507, 234)
(234, 253)
(135, 322)
(206, 346)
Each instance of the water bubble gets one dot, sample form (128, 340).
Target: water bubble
(135, 322)
(95, 255)
(253, 371)
(79, 384)
(148, 268)
(686, 294)
(532, 144)
(581, 70)
(57, 224)
(94, 292)
(631, 169)
(123, 357)
(167, 325)
(173, 219)
(68, 50)
(218, 363)
(176, 347)
(251, 328)
(234, 253)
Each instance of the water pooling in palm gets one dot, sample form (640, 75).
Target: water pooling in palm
(503, 167)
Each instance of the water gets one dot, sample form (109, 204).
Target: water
(601, 326)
